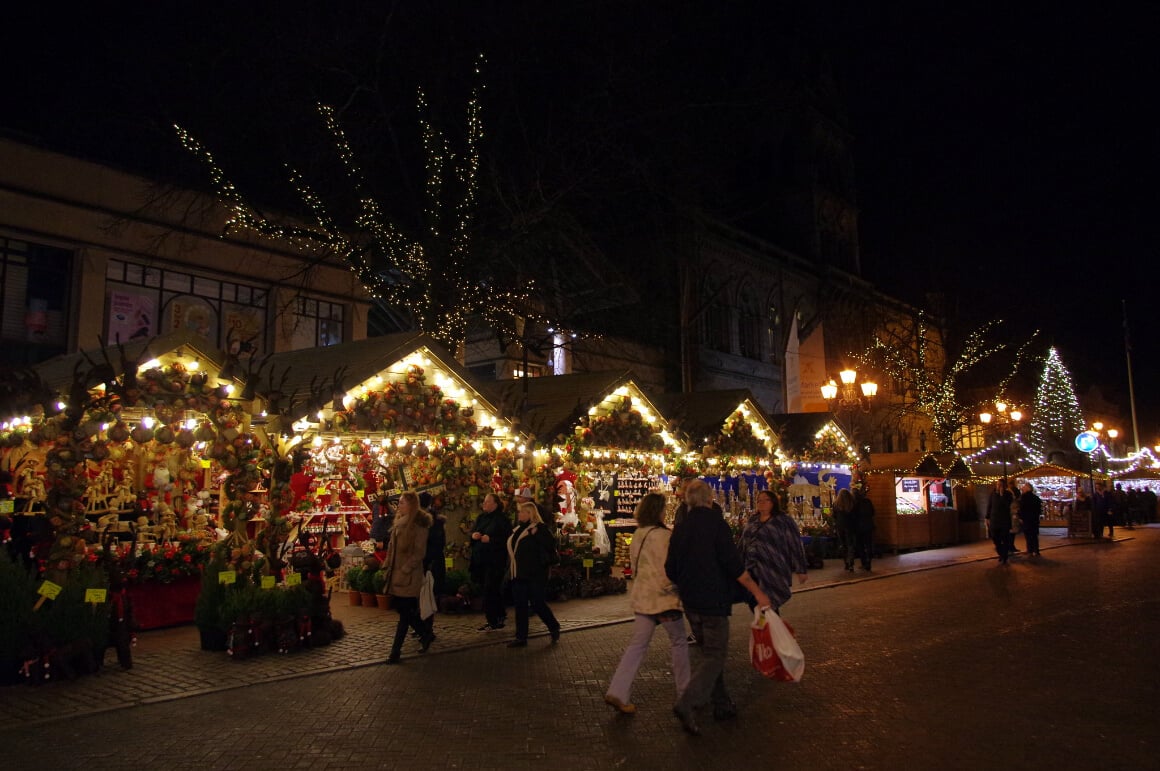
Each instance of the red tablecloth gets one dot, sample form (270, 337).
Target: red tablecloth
(156, 605)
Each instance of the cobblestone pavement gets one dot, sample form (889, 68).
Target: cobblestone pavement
(168, 663)
(1048, 662)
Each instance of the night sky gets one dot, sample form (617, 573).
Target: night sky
(1006, 157)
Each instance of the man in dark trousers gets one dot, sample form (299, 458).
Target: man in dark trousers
(1030, 510)
(489, 559)
(704, 564)
(863, 517)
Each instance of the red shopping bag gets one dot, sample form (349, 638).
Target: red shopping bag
(773, 649)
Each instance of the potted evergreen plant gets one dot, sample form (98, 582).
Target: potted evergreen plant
(380, 586)
(353, 582)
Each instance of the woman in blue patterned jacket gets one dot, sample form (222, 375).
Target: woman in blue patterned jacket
(772, 550)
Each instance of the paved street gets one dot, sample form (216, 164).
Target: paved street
(1046, 663)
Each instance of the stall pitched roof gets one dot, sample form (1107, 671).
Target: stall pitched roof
(291, 376)
(928, 464)
(103, 364)
(797, 430)
(557, 402)
(1048, 470)
(703, 413)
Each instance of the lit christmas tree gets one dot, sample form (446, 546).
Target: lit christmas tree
(1057, 417)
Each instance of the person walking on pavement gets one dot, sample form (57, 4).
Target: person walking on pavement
(489, 559)
(845, 520)
(704, 564)
(999, 519)
(772, 551)
(864, 522)
(1030, 510)
(433, 559)
(531, 549)
(404, 566)
(1102, 512)
(654, 603)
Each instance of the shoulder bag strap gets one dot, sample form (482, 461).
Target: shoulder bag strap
(640, 551)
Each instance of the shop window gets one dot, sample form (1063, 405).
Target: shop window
(144, 301)
(34, 301)
(317, 323)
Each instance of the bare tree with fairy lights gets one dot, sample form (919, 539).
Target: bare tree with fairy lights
(930, 377)
(435, 273)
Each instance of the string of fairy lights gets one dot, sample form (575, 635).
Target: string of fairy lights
(432, 274)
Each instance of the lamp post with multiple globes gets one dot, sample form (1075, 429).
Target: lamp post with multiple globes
(1004, 420)
(849, 395)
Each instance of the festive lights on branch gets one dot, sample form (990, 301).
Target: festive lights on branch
(434, 274)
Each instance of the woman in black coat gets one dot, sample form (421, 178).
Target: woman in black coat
(531, 551)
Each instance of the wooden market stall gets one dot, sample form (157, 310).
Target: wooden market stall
(601, 444)
(817, 460)
(1056, 486)
(739, 449)
(152, 481)
(369, 419)
(917, 499)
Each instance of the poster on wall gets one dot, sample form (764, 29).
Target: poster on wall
(132, 315)
(194, 314)
(244, 330)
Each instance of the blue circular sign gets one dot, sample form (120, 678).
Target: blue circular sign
(1086, 441)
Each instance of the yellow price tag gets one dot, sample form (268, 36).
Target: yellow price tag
(360, 493)
(293, 579)
(473, 490)
(228, 577)
(205, 463)
(96, 596)
(49, 589)
(589, 562)
(449, 563)
(269, 582)
(320, 491)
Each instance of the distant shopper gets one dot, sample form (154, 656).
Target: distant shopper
(771, 548)
(531, 549)
(404, 567)
(704, 564)
(1102, 511)
(654, 603)
(864, 528)
(489, 559)
(846, 523)
(1030, 510)
(999, 519)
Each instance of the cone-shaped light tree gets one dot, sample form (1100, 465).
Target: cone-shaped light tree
(1057, 417)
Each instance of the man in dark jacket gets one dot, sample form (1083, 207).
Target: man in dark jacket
(999, 519)
(863, 520)
(1030, 510)
(489, 559)
(704, 564)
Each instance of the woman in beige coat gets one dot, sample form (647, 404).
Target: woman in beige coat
(404, 566)
(654, 603)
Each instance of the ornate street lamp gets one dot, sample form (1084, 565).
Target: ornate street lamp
(849, 395)
(1004, 420)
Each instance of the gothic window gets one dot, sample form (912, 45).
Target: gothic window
(749, 326)
(716, 320)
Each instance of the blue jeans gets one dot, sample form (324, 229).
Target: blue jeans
(707, 680)
(525, 593)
